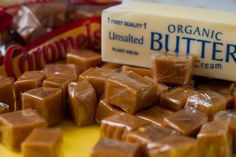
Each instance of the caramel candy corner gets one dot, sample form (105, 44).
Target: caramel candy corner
(229, 101)
(48, 101)
(82, 102)
(117, 126)
(187, 121)
(6, 92)
(208, 102)
(155, 115)
(68, 70)
(229, 115)
(83, 59)
(138, 70)
(130, 92)
(59, 81)
(176, 98)
(43, 143)
(175, 146)
(108, 65)
(215, 139)
(114, 148)
(173, 69)
(4, 108)
(148, 135)
(27, 81)
(105, 110)
(97, 77)
(16, 126)
(161, 88)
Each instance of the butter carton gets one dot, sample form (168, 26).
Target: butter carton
(133, 32)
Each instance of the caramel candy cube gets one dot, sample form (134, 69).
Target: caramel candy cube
(117, 126)
(83, 59)
(215, 139)
(138, 70)
(28, 80)
(16, 126)
(175, 146)
(43, 143)
(173, 69)
(114, 148)
(6, 92)
(4, 108)
(97, 77)
(48, 101)
(176, 98)
(68, 70)
(155, 115)
(229, 115)
(187, 121)
(130, 92)
(221, 86)
(82, 102)
(59, 81)
(208, 102)
(148, 135)
(108, 65)
(105, 110)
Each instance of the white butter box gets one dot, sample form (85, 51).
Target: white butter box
(133, 32)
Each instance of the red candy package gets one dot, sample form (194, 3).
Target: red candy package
(36, 32)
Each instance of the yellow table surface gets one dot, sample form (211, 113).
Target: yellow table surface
(77, 141)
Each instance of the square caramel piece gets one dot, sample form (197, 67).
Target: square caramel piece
(105, 110)
(174, 146)
(173, 69)
(4, 108)
(229, 115)
(68, 70)
(48, 102)
(117, 126)
(83, 59)
(6, 92)
(28, 80)
(214, 139)
(218, 85)
(59, 81)
(43, 142)
(141, 71)
(155, 115)
(114, 148)
(130, 92)
(208, 102)
(16, 126)
(148, 135)
(176, 98)
(187, 121)
(82, 102)
(97, 77)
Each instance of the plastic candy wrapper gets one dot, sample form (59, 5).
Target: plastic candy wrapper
(3, 108)
(36, 32)
(172, 69)
(208, 102)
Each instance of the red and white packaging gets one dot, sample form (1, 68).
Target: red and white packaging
(36, 32)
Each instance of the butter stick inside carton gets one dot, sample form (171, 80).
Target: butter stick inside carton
(134, 31)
